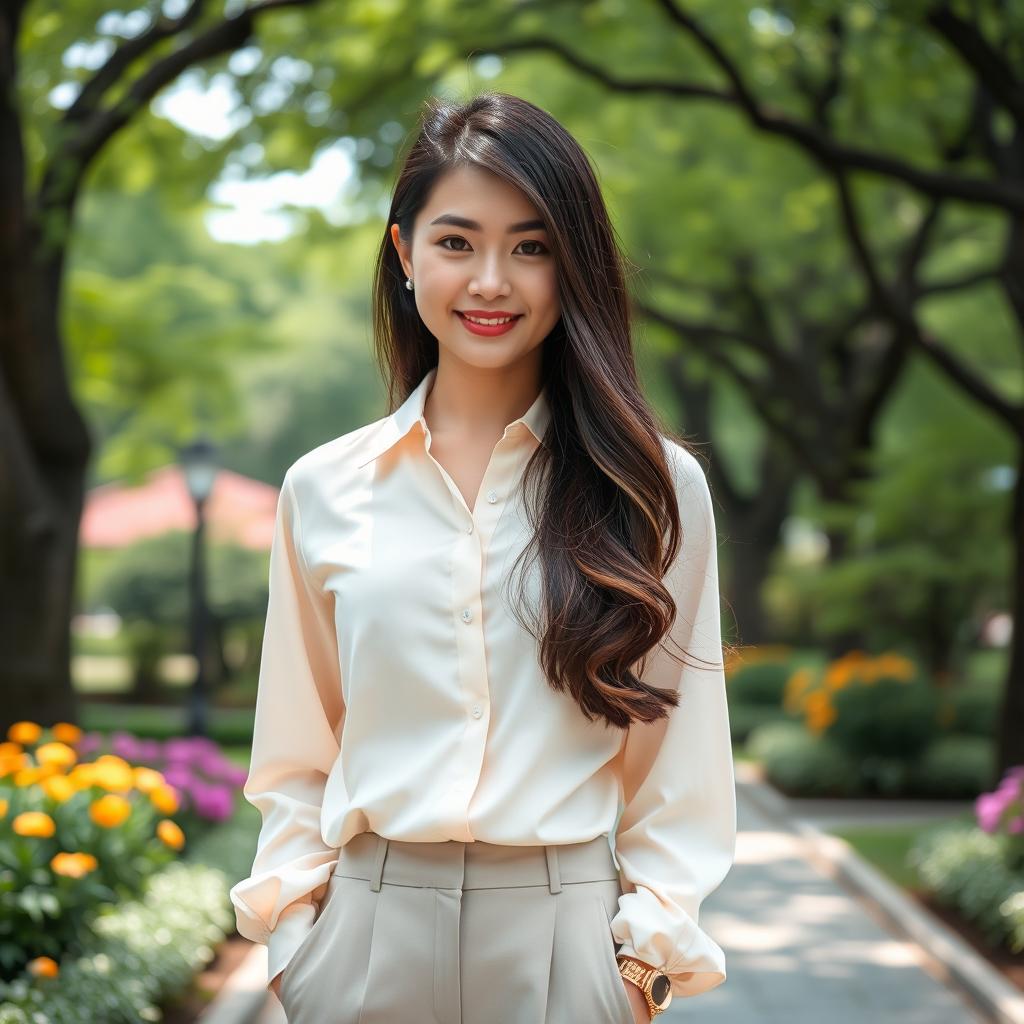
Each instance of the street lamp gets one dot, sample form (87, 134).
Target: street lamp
(199, 462)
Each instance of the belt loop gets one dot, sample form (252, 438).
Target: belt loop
(378, 863)
(554, 878)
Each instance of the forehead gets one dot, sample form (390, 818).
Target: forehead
(480, 195)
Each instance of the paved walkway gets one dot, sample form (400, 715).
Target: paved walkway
(801, 949)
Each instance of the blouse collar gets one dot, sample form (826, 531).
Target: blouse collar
(410, 412)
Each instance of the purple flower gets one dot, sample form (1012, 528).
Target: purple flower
(179, 776)
(214, 802)
(88, 742)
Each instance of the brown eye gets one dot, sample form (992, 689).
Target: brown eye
(533, 241)
(451, 238)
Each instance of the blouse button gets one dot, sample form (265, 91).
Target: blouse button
(469, 529)
(467, 615)
(476, 711)
(492, 496)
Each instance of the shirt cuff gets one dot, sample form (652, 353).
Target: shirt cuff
(700, 968)
(292, 927)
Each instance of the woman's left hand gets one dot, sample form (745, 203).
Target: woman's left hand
(637, 1003)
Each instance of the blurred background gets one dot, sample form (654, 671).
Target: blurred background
(822, 206)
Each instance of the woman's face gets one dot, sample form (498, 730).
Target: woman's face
(484, 267)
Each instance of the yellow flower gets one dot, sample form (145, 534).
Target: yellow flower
(66, 732)
(169, 833)
(164, 799)
(73, 865)
(58, 787)
(114, 773)
(34, 823)
(43, 967)
(26, 733)
(110, 810)
(83, 775)
(3, 808)
(147, 779)
(59, 754)
(33, 773)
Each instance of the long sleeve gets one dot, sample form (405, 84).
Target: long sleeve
(675, 839)
(299, 712)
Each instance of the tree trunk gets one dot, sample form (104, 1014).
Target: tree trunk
(44, 447)
(1010, 738)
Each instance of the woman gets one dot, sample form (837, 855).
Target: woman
(440, 756)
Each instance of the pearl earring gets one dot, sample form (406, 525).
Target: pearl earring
(408, 283)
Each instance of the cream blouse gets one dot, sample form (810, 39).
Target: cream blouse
(398, 693)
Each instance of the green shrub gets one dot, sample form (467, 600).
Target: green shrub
(965, 868)
(136, 955)
(975, 710)
(798, 762)
(761, 684)
(887, 718)
(744, 718)
(953, 767)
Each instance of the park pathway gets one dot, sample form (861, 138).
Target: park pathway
(801, 949)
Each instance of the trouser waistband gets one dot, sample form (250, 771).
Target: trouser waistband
(452, 864)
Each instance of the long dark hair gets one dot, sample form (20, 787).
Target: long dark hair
(606, 524)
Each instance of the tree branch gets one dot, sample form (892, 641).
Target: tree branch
(981, 57)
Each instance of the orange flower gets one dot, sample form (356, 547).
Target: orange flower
(33, 773)
(13, 762)
(169, 832)
(147, 779)
(110, 810)
(83, 775)
(796, 686)
(164, 799)
(3, 808)
(59, 754)
(43, 967)
(66, 732)
(34, 823)
(820, 711)
(58, 788)
(7, 749)
(73, 865)
(114, 773)
(25, 733)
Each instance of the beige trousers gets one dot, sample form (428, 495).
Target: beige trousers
(462, 933)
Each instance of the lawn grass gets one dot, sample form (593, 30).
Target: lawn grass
(886, 846)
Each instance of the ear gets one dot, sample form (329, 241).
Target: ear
(402, 248)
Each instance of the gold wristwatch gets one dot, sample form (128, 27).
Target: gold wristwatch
(652, 981)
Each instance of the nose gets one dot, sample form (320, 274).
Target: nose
(490, 280)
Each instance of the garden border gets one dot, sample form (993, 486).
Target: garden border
(835, 858)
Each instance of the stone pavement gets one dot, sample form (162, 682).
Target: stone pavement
(800, 948)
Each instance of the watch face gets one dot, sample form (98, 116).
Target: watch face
(660, 988)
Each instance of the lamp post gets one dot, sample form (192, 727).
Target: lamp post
(199, 462)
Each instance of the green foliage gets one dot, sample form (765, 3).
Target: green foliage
(890, 718)
(138, 953)
(975, 709)
(965, 868)
(800, 763)
(745, 718)
(762, 683)
(954, 767)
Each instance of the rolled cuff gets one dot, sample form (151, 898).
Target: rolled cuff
(699, 969)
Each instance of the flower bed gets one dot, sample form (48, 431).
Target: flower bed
(860, 725)
(91, 876)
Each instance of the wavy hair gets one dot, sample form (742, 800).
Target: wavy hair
(606, 524)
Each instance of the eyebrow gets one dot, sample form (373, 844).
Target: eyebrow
(471, 225)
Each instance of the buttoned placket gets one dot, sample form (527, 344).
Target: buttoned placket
(474, 529)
